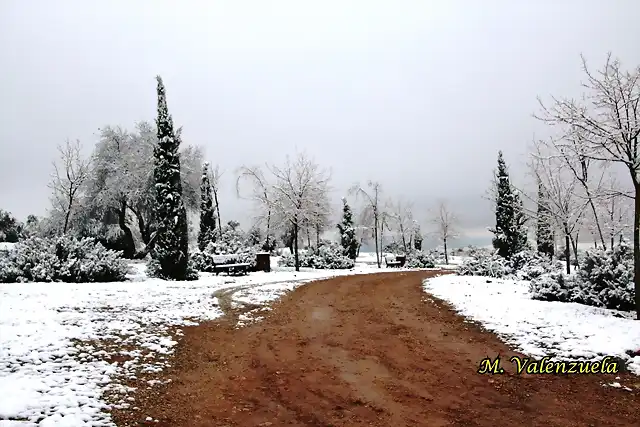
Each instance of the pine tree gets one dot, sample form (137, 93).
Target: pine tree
(417, 238)
(207, 214)
(171, 248)
(348, 238)
(544, 231)
(510, 232)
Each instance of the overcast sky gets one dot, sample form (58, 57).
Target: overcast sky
(419, 95)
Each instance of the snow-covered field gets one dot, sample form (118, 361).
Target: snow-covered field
(541, 328)
(66, 350)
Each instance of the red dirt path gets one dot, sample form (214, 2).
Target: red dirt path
(367, 350)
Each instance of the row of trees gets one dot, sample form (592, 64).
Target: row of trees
(136, 189)
(579, 173)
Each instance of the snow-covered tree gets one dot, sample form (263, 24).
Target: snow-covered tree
(298, 193)
(120, 190)
(446, 226)
(348, 238)
(69, 176)
(207, 214)
(372, 212)
(172, 243)
(417, 236)
(510, 232)
(400, 216)
(545, 238)
(565, 205)
(607, 122)
(260, 194)
(10, 227)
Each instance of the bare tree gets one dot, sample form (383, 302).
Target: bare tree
(561, 187)
(299, 191)
(572, 151)
(70, 173)
(446, 224)
(607, 119)
(372, 197)
(260, 194)
(400, 215)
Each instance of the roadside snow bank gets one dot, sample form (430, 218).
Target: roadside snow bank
(540, 328)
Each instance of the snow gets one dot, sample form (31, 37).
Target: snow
(67, 350)
(6, 246)
(541, 328)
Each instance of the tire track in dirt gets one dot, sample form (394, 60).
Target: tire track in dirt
(367, 350)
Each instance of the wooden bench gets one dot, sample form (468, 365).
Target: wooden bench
(240, 268)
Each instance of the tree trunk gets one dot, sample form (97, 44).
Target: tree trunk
(375, 236)
(130, 249)
(268, 228)
(308, 239)
(567, 249)
(215, 199)
(595, 217)
(574, 245)
(145, 230)
(636, 248)
(148, 247)
(318, 238)
(67, 215)
(404, 241)
(296, 257)
(446, 253)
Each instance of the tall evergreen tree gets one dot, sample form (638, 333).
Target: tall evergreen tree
(510, 232)
(172, 244)
(544, 230)
(207, 212)
(417, 238)
(348, 238)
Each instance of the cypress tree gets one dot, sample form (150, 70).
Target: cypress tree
(172, 244)
(348, 238)
(207, 213)
(417, 238)
(510, 233)
(544, 230)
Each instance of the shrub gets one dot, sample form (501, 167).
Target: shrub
(420, 259)
(555, 286)
(154, 270)
(608, 277)
(62, 259)
(528, 264)
(329, 256)
(603, 279)
(484, 263)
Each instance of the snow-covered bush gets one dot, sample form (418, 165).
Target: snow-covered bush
(62, 259)
(528, 264)
(154, 270)
(603, 279)
(9, 272)
(485, 263)
(555, 286)
(420, 259)
(329, 256)
(608, 277)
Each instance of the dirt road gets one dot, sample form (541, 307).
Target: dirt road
(365, 351)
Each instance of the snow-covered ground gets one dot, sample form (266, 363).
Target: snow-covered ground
(66, 350)
(540, 328)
